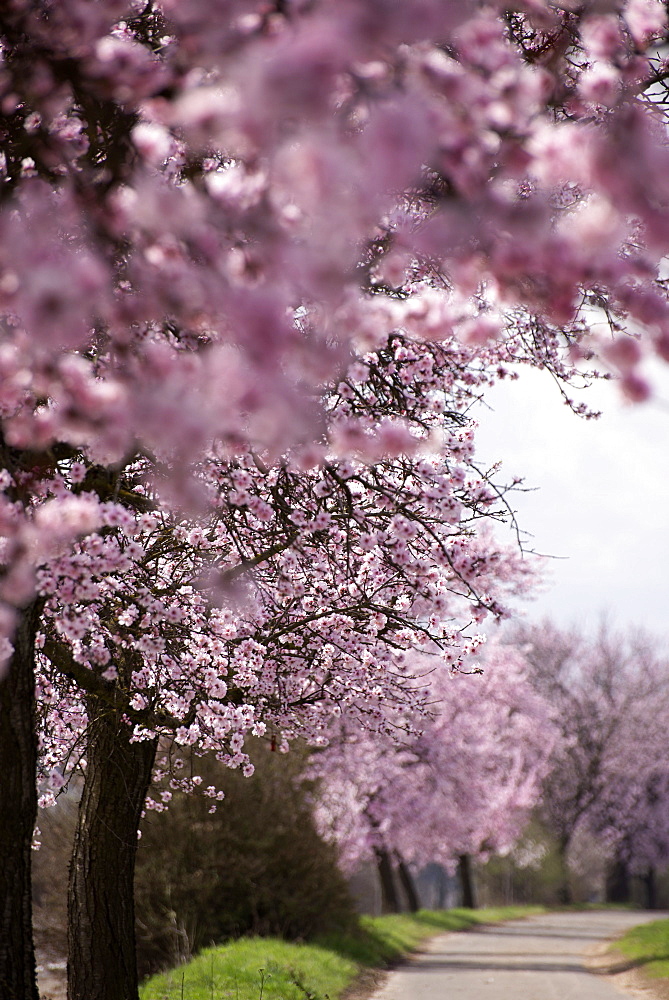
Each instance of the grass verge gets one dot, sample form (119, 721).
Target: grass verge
(647, 946)
(269, 969)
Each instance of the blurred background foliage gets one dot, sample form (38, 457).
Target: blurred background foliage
(255, 866)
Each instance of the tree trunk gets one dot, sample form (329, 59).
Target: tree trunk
(407, 883)
(18, 805)
(618, 883)
(102, 961)
(466, 877)
(564, 892)
(650, 885)
(389, 899)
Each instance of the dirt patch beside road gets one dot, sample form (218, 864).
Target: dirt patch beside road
(617, 969)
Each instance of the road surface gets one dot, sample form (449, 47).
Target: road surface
(539, 958)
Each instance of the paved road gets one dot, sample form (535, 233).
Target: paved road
(540, 958)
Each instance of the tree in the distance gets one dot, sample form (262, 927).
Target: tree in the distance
(609, 767)
(461, 784)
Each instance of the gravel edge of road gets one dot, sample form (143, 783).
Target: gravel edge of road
(603, 960)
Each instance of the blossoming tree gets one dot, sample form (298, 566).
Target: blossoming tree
(300, 594)
(609, 769)
(462, 784)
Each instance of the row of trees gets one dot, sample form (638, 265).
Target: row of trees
(553, 725)
(567, 728)
(257, 261)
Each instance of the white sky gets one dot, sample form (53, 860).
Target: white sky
(602, 498)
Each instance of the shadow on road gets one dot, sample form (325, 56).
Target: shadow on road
(528, 931)
(439, 964)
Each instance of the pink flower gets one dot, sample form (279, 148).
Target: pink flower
(153, 141)
(645, 19)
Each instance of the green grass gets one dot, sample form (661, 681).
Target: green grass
(648, 947)
(269, 969)
(252, 968)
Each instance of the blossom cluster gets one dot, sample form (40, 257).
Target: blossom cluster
(210, 176)
(296, 594)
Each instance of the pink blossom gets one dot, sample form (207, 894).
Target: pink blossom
(153, 142)
(635, 388)
(645, 19)
(600, 84)
(602, 36)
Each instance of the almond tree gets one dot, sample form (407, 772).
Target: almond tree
(609, 767)
(459, 784)
(632, 809)
(301, 594)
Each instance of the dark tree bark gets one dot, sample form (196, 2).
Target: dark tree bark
(618, 889)
(466, 876)
(650, 885)
(407, 883)
(102, 961)
(565, 894)
(18, 812)
(389, 899)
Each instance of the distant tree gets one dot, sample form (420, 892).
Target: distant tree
(460, 784)
(610, 765)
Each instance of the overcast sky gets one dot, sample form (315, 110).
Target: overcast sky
(602, 498)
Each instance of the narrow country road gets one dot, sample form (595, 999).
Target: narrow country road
(540, 958)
